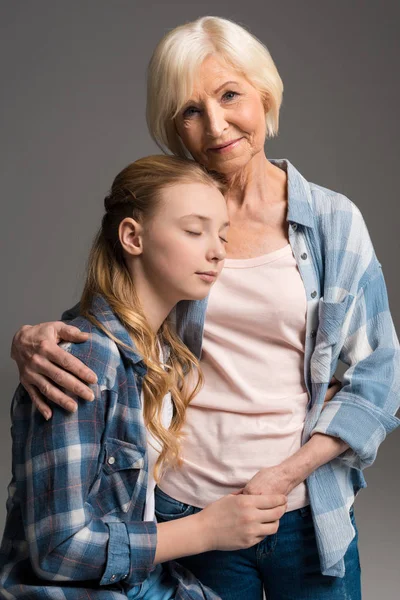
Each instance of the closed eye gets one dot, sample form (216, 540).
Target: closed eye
(223, 240)
(194, 232)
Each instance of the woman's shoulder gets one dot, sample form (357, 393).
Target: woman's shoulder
(99, 353)
(326, 200)
(336, 213)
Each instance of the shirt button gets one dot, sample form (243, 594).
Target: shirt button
(313, 333)
(111, 461)
(113, 577)
(313, 294)
(304, 256)
(294, 226)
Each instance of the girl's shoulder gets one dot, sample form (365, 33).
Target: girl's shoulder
(99, 353)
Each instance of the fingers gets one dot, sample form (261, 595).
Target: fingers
(269, 501)
(50, 392)
(270, 515)
(69, 333)
(331, 392)
(70, 363)
(38, 402)
(269, 529)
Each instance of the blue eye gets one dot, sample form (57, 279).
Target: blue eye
(190, 111)
(231, 94)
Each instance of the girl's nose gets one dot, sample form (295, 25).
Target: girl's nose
(217, 252)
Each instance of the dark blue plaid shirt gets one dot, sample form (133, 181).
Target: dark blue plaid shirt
(75, 526)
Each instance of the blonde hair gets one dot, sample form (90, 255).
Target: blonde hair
(176, 62)
(135, 193)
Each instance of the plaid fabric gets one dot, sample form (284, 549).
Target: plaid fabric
(348, 318)
(74, 527)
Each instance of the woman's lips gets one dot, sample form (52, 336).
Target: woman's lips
(226, 147)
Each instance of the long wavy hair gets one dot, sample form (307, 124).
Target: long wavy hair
(135, 193)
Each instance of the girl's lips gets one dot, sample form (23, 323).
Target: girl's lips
(227, 148)
(207, 277)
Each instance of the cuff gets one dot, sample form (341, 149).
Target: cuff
(118, 554)
(143, 544)
(362, 426)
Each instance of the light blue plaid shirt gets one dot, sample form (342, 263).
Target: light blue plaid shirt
(348, 318)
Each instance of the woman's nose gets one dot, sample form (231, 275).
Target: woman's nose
(215, 122)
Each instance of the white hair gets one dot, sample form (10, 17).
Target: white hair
(177, 60)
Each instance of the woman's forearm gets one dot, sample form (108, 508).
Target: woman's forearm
(319, 450)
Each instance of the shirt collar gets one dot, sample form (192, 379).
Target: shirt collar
(101, 310)
(299, 195)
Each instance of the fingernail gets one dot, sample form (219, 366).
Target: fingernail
(72, 407)
(93, 378)
(47, 415)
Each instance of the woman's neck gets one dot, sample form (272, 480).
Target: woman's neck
(259, 184)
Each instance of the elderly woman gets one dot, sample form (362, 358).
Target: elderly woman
(301, 288)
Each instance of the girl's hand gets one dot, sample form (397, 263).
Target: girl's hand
(44, 367)
(237, 521)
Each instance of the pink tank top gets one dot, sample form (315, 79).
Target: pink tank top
(251, 410)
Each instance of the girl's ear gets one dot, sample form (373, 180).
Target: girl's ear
(130, 236)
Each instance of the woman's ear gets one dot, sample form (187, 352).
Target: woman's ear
(266, 102)
(130, 235)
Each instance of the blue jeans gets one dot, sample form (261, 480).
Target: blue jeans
(285, 565)
(158, 586)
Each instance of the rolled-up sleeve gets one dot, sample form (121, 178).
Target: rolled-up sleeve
(362, 413)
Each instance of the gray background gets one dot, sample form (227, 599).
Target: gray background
(72, 115)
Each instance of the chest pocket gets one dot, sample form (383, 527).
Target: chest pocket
(121, 477)
(331, 317)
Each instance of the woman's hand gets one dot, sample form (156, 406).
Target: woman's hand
(279, 479)
(237, 521)
(334, 387)
(270, 480)
(41, 362)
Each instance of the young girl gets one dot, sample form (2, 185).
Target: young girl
(80, 520)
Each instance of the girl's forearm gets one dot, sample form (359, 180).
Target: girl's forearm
(182, 537)
(319, 450)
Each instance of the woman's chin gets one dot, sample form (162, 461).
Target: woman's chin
(229, 166)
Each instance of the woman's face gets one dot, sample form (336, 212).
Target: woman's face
(222, 124)
(184, 242)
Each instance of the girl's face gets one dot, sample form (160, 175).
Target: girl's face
(222, 125)
(183, 244)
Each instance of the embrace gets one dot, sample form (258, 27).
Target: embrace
(180, 433)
